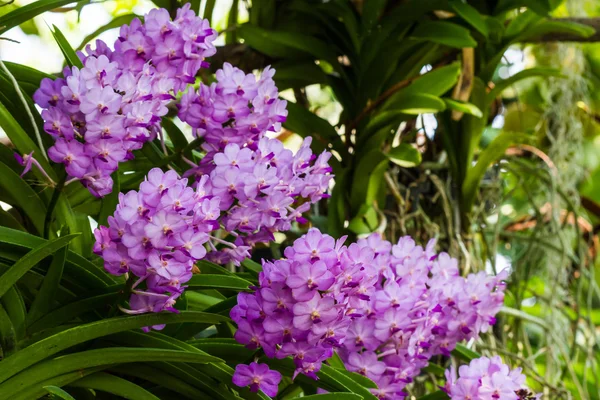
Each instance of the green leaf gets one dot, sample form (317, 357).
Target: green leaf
(501, 86)
(547, 26)
(23, 197)
(336, 362)
(463, 106)
(372, 10)
(94, 358)
(68, 52)
(439, 395)
(405, 155)
(8, 336)
(489, 155)
(9, 221)
(470, 15)
(465, 354)
(305, 123)
(114, 385)
(252, 265)
(47, 292)
(446, 33)
(333, 396)
(434, 369)
(23, 143)
(213, 281)
(116, 22)
(361, 379)
(14, 306)
(25, 13)
(58, 392)
(29, 78)
(416, 103)
(346, 382)
(73, 336)
(16, 243)
(366, 181)
(161, 378)
(30, 259)
(281, 44)
(74, 309)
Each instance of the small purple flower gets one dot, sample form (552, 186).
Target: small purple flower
(258, 377)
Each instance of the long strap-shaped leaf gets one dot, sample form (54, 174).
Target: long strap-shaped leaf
(72, 310)
(114, 385)
(28, 200)
(153, 375)
(30, 259)
(84, 270)
(58, 392)
(35, 392)
(214, 281)
(45, 348)
(23, 14)
(93, 358)
(43, 300)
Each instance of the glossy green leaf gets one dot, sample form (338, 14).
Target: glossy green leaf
(72, 310)
(470, 15)
(405, 155)
(36, 255)
(58, 392)
(93, 358)
(208, 281)
(27, 12)
(16, 244)
(114, 385)
(66, 49)
(345, 381)
(365, 180)
(502, 85)
(553, 26)
(24, 197)
(9, 221)
(463, 107)
(464, 353)
(434, 369)
(162, 378)
(416, 103)
(8, 336)
(445, 33)
(47, 292)
(73, 336)
(14, 306)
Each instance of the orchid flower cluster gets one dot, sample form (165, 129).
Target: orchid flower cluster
(304, 304)
(419, 307)
(157, 234)
(262, 185)
(487, 379)
(101, 113)
(385, 309)
(237, 108)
